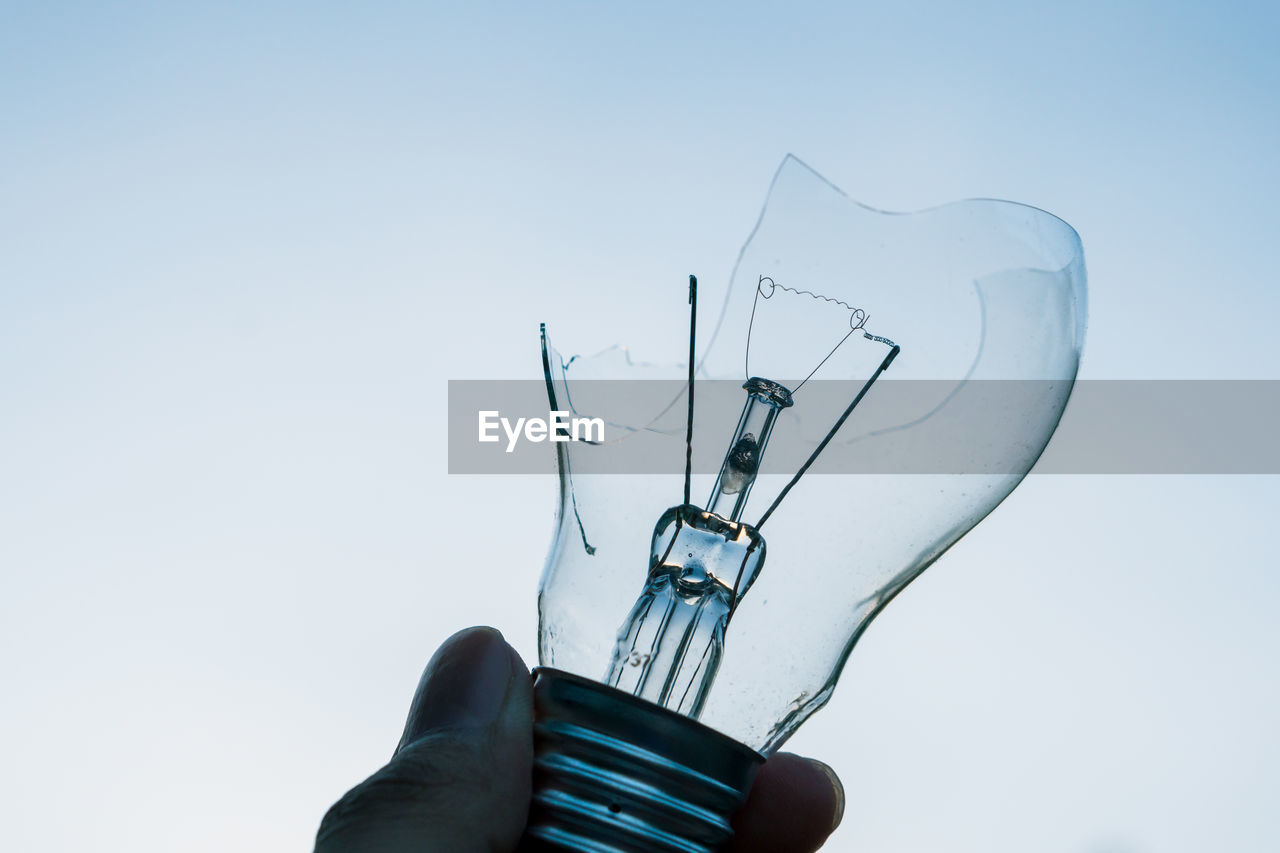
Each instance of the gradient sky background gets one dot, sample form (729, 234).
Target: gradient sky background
(243, 247)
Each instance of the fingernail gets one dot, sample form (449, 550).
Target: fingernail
(837, 789)
(465, 684)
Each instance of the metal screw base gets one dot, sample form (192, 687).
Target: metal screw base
(616, 774)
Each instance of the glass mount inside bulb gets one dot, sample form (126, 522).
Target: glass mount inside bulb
(703, 561)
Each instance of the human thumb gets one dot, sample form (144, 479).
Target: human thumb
(460, 778)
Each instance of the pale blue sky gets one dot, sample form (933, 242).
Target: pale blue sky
(244, 246)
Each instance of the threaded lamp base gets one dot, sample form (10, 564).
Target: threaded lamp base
(617, 774)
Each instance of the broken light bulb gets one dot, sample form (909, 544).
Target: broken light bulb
(983, 299)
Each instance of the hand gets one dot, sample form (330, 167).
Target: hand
(460, 779)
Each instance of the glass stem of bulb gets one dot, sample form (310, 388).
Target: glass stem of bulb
(701, 562)
(765, 399)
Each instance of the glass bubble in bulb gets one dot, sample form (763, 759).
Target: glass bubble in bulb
(856, 483)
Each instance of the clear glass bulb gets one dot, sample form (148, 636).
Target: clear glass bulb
(981, 302)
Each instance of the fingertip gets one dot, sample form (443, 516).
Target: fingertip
(837, 787)
(794, 805)
(469, 681)
(493, 635)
